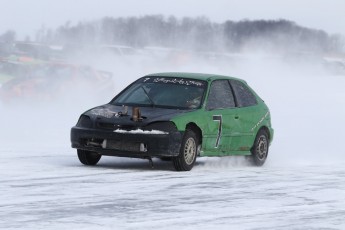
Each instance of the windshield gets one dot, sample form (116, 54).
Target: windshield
(163, 92)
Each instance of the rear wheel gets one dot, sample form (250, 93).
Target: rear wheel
(187, 156)
(88, 157)
(260, 148)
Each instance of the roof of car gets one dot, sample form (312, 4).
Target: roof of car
(199, 76)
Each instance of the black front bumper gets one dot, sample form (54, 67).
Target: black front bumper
(138, 145)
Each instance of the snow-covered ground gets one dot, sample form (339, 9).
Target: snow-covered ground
(301, 186)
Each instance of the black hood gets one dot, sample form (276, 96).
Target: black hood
(116, 117)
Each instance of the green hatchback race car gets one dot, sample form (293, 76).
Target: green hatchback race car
(177, 116)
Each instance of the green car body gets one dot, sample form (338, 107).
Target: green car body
(225, 131)
(178, 116)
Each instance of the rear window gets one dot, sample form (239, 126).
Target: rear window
(243, 95)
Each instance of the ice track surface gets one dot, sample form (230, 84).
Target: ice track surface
(47, 188)
(301, 186)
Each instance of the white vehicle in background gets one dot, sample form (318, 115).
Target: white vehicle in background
(118, 50)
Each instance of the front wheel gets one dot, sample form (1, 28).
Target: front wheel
(187, 156)
(260, 148)
(88, 157)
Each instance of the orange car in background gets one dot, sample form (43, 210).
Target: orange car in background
(44, 82)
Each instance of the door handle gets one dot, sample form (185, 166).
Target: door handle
(237, 117)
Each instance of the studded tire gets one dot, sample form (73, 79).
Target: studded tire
(188, 152)
(260, 148)
(88, 157)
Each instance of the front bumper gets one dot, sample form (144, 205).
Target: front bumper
(137, 145)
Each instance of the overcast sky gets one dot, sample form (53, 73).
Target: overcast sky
(27, 16)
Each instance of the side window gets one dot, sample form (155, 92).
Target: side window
(243, 95)
(220, 96)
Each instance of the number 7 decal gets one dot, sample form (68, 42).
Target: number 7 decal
(218, 118)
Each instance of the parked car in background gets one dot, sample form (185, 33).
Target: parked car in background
(51, 80)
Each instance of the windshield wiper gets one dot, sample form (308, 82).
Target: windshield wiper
(148, 97)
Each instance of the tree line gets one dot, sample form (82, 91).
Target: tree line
(199, 34)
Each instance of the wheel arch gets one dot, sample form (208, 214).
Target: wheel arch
(196, 129)
(267, 130)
